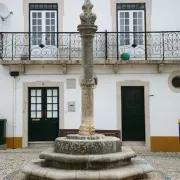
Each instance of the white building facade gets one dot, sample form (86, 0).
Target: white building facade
(40, 52)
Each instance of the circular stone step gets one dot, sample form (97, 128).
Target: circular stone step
(82, 145)
(138, 167)
(67, 161)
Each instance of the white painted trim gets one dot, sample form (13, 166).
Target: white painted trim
(146, 104)
(26, 85)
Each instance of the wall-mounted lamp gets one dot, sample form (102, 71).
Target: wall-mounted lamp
(4, 18)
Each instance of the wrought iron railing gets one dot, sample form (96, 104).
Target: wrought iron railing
(107, 45)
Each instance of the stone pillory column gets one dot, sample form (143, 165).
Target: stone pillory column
(85, 155)
(87, 29)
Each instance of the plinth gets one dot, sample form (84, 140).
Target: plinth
(86, 158)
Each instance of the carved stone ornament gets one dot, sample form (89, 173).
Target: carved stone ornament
(87, 17)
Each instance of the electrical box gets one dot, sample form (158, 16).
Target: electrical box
(71, 106)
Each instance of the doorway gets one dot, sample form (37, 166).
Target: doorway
(43, 113)
(133, 113)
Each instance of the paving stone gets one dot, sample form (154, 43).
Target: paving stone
(13, 160)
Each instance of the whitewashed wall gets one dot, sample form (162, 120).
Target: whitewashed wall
(164, 105)
(15, 22)
(165, 15)
(72, 11)
(6, 99)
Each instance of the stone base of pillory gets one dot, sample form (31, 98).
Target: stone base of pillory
(87, 145)
(134, 171)
(72, 160)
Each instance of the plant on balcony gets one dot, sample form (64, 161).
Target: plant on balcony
(125, 56)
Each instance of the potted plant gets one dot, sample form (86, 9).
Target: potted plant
(125, 56)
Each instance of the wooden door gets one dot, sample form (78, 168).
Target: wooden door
(133, 113)
(43, 114)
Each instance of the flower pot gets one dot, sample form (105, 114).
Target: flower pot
(125, 56)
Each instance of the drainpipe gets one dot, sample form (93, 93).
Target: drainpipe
(14, 111)
(14, 74)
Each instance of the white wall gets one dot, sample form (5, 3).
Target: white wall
(72, 10)
(165, 15)
(164, 105)
(6, 99)
(15, 22)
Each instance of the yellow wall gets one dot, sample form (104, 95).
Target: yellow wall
(158, 143)
(14, 143)
(165, 144)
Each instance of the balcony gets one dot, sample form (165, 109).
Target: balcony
(108, 47)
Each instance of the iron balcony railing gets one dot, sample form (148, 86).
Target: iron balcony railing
(107, 45)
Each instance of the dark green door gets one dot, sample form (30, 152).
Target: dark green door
(43, 114)
(133, 116)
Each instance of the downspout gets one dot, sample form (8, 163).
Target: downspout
(14, 110)
(14, 74)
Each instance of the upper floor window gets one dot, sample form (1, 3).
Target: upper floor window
(43, 23)
(131, 17)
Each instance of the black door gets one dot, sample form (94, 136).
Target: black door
(133, 115)
(43, 114)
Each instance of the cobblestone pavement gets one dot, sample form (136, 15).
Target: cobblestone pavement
(167, 165)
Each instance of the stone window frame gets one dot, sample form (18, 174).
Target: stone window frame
(171, 76)
(60, 12)
(148, 12)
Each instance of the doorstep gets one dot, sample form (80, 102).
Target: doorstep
(41, 144)
(3, 147)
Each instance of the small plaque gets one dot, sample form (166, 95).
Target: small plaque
(71, 83)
